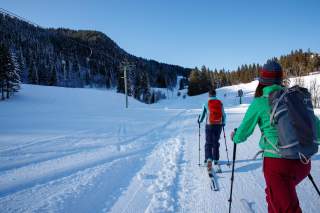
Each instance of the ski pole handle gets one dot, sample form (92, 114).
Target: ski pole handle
(233, 133)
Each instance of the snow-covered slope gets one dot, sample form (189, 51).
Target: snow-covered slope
(80, 150)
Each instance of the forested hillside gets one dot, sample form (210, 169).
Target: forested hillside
(83, 58)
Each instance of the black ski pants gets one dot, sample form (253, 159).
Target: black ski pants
(212, 141)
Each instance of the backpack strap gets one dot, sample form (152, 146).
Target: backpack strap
(303, 158)
(290, 145)
(275, 149)
(271, 151)
(276, 105)
(270, 143)
(257, 154)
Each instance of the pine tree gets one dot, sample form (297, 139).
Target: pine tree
(13, 73)
(2, 71)
(53, 77)
(120, 82)
(145, 87)
(33, 77)
(9, 69)
(193, 88)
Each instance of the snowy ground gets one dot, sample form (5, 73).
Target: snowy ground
(79, 150)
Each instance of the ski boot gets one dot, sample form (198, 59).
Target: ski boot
(209, 165)
(217, 167)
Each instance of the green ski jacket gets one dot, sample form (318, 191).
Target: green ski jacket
(259, 113)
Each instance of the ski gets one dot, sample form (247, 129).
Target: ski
(247, 206)
(213, 180)
(217, 168)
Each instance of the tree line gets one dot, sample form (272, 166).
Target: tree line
(297, 63)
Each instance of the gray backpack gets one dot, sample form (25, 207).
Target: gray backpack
(293, 116)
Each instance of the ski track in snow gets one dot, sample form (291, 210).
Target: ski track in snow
(154, 187)
(69, 173)
(145, 160)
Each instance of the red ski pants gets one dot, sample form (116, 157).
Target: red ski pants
(282, 176)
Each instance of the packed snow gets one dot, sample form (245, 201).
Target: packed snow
(81, 150)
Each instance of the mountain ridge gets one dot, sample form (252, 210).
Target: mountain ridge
(82, 58)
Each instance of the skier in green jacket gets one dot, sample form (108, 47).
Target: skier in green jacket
(281, 175)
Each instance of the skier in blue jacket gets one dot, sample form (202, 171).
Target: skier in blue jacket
(213, 113)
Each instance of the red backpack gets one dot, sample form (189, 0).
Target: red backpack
(215, 109)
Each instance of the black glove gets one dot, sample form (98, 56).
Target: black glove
(233, 133)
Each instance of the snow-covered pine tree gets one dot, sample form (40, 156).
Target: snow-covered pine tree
(132, 79)
(13, 77)
(2, 71)
(145, 87)
(9, 72)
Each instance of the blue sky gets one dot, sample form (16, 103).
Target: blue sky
(218, 34)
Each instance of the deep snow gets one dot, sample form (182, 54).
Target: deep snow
(80, 150)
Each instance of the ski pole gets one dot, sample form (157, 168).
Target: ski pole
(314, 184)
(225, 143)
(199, 139)
(232, 175)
